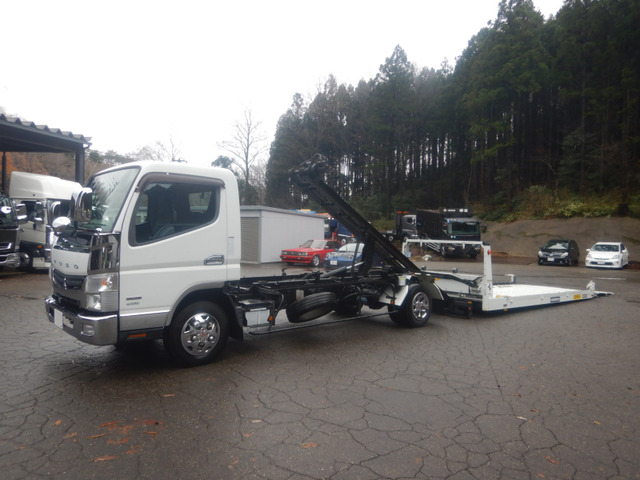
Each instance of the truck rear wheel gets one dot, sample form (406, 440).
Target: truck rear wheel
(197, 334)
(310, 307)
(415, 310)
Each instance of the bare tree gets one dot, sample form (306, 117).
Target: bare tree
(160, 152)
(246, 146)
(259, 180)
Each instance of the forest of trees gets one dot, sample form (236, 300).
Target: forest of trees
(537, 115)
(537, 118)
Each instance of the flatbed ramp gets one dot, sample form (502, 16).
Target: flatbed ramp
(509, 296)
(481, 291)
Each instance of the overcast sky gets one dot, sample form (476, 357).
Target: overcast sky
(130, 73)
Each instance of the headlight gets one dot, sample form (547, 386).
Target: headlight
(565, 254)
(101, 292)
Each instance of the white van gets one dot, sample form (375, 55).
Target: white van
(45, 198)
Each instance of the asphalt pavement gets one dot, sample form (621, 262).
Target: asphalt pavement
(551, 393)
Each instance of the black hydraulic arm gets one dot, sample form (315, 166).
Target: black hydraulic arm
(309, 177)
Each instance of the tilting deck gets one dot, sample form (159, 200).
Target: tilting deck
(456, 288)
(482, 291)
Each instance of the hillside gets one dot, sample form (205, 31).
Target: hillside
(523, 238)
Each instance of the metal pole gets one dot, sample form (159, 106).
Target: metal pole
(4, 172)
(80, 165)
(488, 270)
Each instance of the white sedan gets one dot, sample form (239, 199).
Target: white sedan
(607, 255)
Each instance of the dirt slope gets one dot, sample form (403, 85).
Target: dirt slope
(524, 237)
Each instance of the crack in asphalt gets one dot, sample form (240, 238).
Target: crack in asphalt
(511, 396)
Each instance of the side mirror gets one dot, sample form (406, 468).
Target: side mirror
(54, 211)
(60, 224)
(81, 205)
(21, 213)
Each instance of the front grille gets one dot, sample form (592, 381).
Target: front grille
(68, 304)
(68, 282)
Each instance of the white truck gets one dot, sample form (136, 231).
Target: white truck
(45, 198)
(153, 252)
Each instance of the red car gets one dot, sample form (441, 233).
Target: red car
(310, 252)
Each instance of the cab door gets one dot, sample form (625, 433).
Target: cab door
(175, 243)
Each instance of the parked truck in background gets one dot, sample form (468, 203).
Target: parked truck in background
(405, 227)
(455, 224)
(334, 230)
(45, 198)
(11, 217)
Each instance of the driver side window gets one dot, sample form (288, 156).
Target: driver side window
(167, 209)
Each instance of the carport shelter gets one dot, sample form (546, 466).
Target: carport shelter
(19, 135)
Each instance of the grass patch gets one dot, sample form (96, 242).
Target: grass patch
(538, 202)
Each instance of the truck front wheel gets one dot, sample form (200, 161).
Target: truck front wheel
(415, 310)
(197, 334)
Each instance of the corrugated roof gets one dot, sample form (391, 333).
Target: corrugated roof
(20, 135)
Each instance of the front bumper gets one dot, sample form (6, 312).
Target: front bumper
(553, 260)
(87, 327)
(460, 249)
(295, 259)
(603, 263)
(10, 260)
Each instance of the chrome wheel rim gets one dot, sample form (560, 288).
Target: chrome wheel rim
(420, 305)
(200, 334)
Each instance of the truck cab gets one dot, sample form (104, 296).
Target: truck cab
(455, 224)
(147, 239)
(405, 227)
(45, 198)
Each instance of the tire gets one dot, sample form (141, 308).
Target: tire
(315, 261)
(197, 334)
(311, 307)
(415, 310)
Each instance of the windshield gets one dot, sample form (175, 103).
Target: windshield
(350, 247)
(603, 247)
(464, 228)
(315, 244)
(109, 193)
(556, 245)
